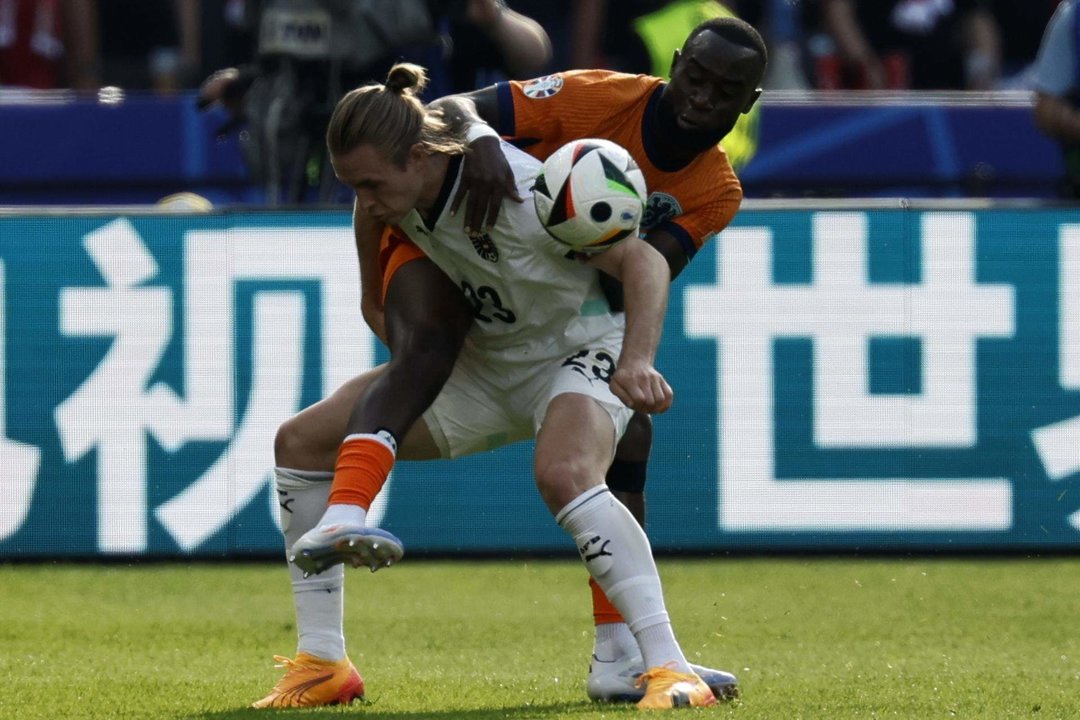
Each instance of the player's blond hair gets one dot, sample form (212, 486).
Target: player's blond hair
(392, 118)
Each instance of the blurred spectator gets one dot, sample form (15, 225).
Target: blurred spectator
(32, 43)
(1057, 90)
(1022, 23)
(227, 37)
(781, 24)
(605, 39)
(307, 54)
(138, 45)
(310, 52)
(642, 36)
(556, 20)
(486, 41)
(909, 44)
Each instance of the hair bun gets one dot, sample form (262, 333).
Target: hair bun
(404, 77)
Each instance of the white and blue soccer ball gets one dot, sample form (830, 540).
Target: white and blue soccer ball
(590, 194)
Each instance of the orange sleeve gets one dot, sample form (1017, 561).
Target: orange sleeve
(720, 206)
(395, 249)
(545, 113)
(704, 223)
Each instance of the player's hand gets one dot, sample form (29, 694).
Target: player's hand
(641, 387)
(486, 179)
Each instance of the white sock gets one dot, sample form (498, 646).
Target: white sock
(617, 554)
(320, 599)
(344, 514)
(660, 648)
(614, 641)
(319, 614)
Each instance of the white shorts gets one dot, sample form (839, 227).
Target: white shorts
(488, 403)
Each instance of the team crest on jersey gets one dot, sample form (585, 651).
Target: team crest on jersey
(485, 247)
(543, 87)
(659, 208)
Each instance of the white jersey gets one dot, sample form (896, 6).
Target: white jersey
(530, 300)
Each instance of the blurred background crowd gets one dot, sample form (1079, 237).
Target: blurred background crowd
(268, 72)
(168, 45)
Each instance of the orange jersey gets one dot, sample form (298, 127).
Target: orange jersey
(693, 202)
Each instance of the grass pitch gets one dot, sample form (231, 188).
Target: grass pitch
(808, 638)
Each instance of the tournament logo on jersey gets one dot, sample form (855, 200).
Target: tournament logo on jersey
(485, 247)
(543, 87)
(659, 208)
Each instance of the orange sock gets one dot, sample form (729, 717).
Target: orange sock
(363, 464)
(602, 609)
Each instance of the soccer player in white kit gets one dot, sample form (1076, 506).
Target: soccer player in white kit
(546, 358)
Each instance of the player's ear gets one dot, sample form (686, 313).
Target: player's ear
(674, 61)
(416, 152)
(750, 102)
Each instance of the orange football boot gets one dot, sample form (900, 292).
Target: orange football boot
(312, 682)
(666, 689)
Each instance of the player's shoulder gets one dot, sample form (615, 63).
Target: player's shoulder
(612, 82)
(607, 82)
(607, 77)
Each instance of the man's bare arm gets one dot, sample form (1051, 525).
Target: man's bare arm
(486, 177)
(367, 233)
(645, 278)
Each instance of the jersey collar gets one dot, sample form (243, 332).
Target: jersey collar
(449, 180)
(650, 132)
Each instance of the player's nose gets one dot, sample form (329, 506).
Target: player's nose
(365, 200)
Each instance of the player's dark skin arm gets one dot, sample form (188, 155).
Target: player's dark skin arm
(486, 177)
(426, 320)
(426, 316)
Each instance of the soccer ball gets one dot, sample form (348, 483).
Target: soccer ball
(589, 195)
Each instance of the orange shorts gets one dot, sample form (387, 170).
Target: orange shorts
(395, 249)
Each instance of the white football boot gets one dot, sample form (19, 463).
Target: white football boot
(328, 545)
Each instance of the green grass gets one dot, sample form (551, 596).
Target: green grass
(808, 638)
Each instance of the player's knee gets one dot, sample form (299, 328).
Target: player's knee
(287, 444)
(560, 481)
(636, 442)
(295, 448)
